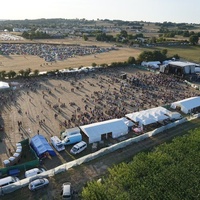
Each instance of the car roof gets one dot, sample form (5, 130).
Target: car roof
(66, 188)
(36, 181)
(80, 144)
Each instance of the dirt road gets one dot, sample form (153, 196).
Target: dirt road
(93, 170)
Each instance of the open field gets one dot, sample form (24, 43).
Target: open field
(188, 53)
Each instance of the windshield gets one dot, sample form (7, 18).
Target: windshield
(59, 145)
(74, 149)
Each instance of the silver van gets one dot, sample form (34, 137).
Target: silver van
(33, 172)
(8, 180)
(77, 148)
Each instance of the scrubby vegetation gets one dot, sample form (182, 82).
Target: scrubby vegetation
(171, 171)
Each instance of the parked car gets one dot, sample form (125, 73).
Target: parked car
(38, 183)
(67, 191)
(77, 148)
(8, 180)
(33, 172)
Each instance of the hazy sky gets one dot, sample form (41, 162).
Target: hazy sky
(131, 10)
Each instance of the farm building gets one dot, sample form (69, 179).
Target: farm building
(178, 68)
(102, 130)
(190, 105)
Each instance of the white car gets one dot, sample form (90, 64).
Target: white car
(67, 191)
(38, 183)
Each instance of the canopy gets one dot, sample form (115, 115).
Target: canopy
(41, 146)
(187, 105)
(149, 116)
(4, 85)
(94, 131)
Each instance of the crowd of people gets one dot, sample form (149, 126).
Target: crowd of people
(51, 52)
(84, 98)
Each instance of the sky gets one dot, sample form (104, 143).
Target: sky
(179, 11)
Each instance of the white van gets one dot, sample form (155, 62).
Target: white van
(58, 145)
(33, 172)
(8, 180)
(77, 148)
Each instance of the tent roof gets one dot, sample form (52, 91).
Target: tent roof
(149, 116)
(188, 103)
(95, 130)
(72, 131)
(40, 145)
(181, 64)
(4, 85)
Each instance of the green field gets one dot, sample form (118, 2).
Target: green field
(188, 53)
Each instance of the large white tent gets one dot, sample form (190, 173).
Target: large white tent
(114, 127)
(187, 105)
(149, 116)
(4, 85)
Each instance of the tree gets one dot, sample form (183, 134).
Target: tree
(36, 72)
(3, 74)
(124, 34)
(176, 56)
(131, 60)
(194, 39)
(21, 72)
(11, 74)
(27, 72)
(94, 64)
(85, 37)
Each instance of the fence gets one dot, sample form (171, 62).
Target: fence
(92, 156)
(26, 165)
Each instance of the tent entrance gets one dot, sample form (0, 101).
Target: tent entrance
(106, 136)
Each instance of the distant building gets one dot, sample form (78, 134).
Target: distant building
(20, 29)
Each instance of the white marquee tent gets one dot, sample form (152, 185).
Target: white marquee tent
(115, 127)
(149, 116)
(4, 85)
(187, 105)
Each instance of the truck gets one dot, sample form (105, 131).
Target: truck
(69, 132)
(72, 139)
(57, 143)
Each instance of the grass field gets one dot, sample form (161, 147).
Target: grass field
(188, 53)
